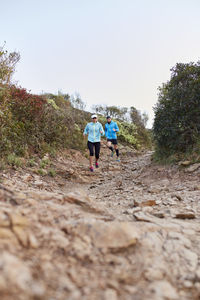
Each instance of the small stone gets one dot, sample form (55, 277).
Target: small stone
(21, 235)
(147, 209)
(153, 191)
(6, 233)
(136, 209)
(27, 178)
(159, 214)
(144, 203)
(71, 171)
(78, 197)
(110, 294)
(177, 197)
(196, 187)
(39, 184)
(112, 235)
(4, 220)
(193, 168)
(82, 199)
(185, 215)
(187, 284)
(141, 216)
(37, 290)
(164, 290)
(20, 196)
(154, 274)
(32, 202)
(33, 243)
(17, 220)
(185, 163)
(130, 289)
(148, 203)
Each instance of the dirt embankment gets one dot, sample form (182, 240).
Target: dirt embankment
(129, 230)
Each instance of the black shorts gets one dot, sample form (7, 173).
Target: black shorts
(113, 141)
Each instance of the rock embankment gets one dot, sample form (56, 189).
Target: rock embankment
(128, 231)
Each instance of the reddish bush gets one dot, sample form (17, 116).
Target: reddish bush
(25, 105)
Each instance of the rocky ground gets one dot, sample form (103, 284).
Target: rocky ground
(129, 230)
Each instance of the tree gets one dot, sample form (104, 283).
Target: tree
(177, 113)
(113, 111)
(145, 118)
(99, 109)
(8, 62)
(138, 118)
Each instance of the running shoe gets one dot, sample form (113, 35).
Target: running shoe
(112, 154)
(118, 159)
(96, 165)
(91, 169)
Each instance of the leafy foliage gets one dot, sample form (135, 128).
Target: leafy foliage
(177, 113)
(127, 132)
(30, 123)
(26, 106)
(61, 100)
(138, 118)
(132, 122)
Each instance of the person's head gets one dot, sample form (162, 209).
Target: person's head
(94, 118)
(109, 119)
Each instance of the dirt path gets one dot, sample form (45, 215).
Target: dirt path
(129, 230)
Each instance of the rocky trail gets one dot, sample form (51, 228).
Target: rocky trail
(130, 230)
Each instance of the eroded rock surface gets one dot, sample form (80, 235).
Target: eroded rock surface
(128, 231)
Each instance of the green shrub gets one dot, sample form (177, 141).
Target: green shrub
(52, 103)
(177, 113)
(44, 163)
(14, 160)
(127, 132)
(31, 162)
(42, 172)
(52, 172)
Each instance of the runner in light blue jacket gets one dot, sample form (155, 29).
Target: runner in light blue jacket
(111, 129)
(94, 130)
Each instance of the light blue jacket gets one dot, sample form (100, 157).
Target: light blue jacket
(93, 131)
(109, 132)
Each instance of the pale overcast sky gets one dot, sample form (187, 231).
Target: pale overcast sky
(115, 52)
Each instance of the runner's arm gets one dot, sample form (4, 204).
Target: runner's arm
(116, 128)
(86, 130)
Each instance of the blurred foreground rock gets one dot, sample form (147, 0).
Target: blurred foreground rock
(128, 231)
